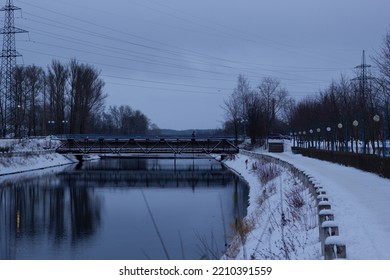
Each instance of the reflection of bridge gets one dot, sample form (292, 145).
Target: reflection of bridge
(147, 146)
(149, 178)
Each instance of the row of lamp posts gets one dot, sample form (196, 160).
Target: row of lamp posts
(51, 124)
(313, 138)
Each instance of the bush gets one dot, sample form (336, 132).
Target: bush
(268, 172)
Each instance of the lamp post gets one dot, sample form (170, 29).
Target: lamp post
(300, 139)
(328, 137)
(64, 124)
(295, 138)
(311, 138)
(376, 119)
(51, 126)
(339, 136)
(318, 137)
(355, 123)
(19, 112)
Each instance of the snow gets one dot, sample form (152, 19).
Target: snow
(326, 212)
(279, 231)
(30, 154)
(360, 201)
(328, 224)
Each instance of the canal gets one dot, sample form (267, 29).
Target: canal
(121, 209)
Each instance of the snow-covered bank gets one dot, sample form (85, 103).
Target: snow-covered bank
(281, 222)
(30, 154)
(360, 201)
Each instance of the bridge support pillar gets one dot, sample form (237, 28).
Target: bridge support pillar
(79, 157)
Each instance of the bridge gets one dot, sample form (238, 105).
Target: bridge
(143, 146)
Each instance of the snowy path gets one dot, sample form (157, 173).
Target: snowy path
(360, 201)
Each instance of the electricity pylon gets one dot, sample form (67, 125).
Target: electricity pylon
(8, 64)
(364, 89)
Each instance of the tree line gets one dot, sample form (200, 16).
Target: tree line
(354, 107)
(66, 98)
(256, 112)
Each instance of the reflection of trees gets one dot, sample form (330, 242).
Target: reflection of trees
(30, 209)
(85, 212)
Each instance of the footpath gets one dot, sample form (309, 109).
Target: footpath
(360, 201)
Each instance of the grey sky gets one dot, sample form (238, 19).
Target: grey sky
(177, 60)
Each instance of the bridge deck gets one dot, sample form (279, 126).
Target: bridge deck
(147, 146)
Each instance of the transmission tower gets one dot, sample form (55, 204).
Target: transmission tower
(8, 64)
(363, 77)
(364, 90)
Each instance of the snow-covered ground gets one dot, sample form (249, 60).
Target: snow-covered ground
(30, 154)
(282, 214)
(360, 202)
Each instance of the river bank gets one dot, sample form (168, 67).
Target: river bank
(25, 155)
(281, 221)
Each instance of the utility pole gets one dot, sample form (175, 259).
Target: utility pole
(8, 64)
(362, 87)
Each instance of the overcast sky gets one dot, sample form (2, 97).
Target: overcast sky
(177, 60)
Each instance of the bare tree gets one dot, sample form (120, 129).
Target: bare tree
(275, 100)
(234, 106)
(125, 120)
(57, 90)
(139, 123)
(18, 102)
(86, 96)
(254, 115)
(35, 82)
(382, 61)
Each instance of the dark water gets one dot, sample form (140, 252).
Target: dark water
(121, 209)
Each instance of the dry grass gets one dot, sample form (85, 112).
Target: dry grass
(268, 172)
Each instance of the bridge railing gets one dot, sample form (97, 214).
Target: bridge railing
(147, 146)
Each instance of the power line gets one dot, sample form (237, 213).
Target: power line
(166, 57)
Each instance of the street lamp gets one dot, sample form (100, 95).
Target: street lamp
(311, 137)
(355, 123)
(300, 139)
(19, 121)
(64, 124)
(328, 129)
(339, 136)
(376, 119)
(51, 126)
(318, 138)
(295, 138)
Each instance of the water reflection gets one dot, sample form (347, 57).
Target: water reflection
(45, 208)
(96, 210)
